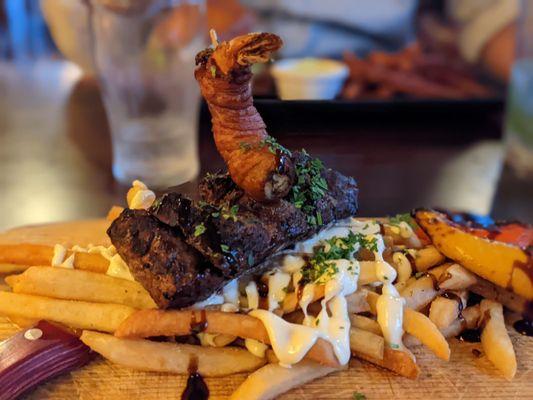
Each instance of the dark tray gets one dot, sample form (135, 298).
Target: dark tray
(473, 118)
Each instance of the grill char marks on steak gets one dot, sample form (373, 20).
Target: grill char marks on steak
(234, 236)
(174, 274)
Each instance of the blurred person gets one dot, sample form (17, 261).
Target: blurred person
(488, 32)
(326, 29)
(23, 33)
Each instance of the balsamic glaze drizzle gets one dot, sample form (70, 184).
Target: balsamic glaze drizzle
(470, 335)
(198, 326)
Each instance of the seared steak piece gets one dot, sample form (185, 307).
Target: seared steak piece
(174, 274)
(235, 232)
(236, 236)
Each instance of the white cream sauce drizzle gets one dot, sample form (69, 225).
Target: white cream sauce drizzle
(214, 299)
(291, 342)
(252, 295)
(141, 197)
(68, 263)
(118, 268)
(278, 283)
(231, 297)
(390, 304)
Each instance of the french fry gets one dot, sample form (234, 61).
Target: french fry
(357, 302)
(22, 322)
(26, 254)
(71, 284)
(272, 380)
(18, 258)
(175, 358)
(113, 213)
(215, 339)
(420, 326)
(443, 311)
(7, 269)
(75, 314)
(34, 245)
(456, 277)
(469, 321)
(427, 257)
(367, 343)
(410, 240)
(404, 268)
(420, 293)
(495, 339)
(367, 272)
(290, 302)
(93, 262)
(365, 323)
(509, 299)
(400, 362)
(147, 323)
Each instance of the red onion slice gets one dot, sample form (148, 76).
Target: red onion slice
(35, 355)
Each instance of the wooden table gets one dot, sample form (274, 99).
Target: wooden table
(55, 153)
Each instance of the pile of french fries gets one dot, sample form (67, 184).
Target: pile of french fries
(117, 318)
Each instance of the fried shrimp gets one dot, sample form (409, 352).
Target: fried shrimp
(256, 162)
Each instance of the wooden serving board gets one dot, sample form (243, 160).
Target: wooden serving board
(465, 376)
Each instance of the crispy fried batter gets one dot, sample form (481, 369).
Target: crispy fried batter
(255, 162)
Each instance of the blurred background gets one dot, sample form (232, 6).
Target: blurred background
(424, 102)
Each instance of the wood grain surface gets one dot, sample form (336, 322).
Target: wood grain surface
(464, 377)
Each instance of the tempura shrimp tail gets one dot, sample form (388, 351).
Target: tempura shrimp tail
(256, 163)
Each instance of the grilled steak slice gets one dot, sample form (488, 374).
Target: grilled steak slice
(174, 273)
(234, 237)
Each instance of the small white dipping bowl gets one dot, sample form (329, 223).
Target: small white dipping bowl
(309, 78)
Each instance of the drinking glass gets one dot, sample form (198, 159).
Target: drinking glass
(144, 54)
(519, 118)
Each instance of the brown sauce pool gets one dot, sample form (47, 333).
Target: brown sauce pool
(470, 335)
(524, 327)
(196, 388)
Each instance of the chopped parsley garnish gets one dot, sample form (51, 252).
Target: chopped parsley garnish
(224, 248)
(399, 218)
(309, 187)
(274, 146)
(199, 229)
(213, 71)
(358, 396)
(320, 267)
(230, 213)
